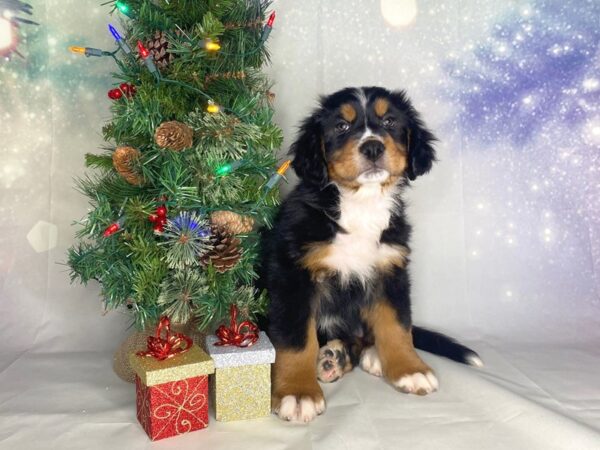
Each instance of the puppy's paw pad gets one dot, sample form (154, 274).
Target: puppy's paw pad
(417, 383)
(370, 362)
(332, 361)
(300, 409)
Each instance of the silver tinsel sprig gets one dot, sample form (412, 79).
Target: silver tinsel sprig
(180, 292)
(187, 237)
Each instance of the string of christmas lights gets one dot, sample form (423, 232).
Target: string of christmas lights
(208, 45)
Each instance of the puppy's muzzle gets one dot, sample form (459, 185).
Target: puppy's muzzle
(372, 149)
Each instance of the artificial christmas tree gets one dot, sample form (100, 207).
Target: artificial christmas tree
(190, 165)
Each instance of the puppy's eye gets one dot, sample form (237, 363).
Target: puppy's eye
(388, 122)
(342, 127)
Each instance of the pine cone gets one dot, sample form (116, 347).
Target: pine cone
(124, 159)
(174, 135)
(270, 97)
(225, 253)
(231, 222)
(158, 47)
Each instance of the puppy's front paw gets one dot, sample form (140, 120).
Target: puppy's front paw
(299, 408)
(419, 383)
(370, 362)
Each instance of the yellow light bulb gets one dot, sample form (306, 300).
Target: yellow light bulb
(284, 167)
(76, 49)
(212, 108)
(211, 46)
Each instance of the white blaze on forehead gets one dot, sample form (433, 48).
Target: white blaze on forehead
(368, 135)
(361, 96)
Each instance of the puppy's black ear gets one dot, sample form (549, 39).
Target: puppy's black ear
(419, 142)
(309, 161)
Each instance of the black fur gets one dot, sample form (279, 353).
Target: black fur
(440, 344)
(309, 215)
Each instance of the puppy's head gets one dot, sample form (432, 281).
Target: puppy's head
(361, 136)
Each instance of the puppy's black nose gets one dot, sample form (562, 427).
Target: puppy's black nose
(372, 149)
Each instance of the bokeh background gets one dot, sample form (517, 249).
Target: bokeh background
(507, 225)
(506, 247)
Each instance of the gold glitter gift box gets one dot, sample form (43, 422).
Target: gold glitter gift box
(241, 384)
(172, 395)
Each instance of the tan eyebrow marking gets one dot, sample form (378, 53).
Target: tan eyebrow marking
(381, 106)
(348, 112)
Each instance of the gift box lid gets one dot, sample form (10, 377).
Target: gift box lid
(261, 352)
(192, 363)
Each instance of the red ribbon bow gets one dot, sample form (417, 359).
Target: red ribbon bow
(235, 334)
(169, 346)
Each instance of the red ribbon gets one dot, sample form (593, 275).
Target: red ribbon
(169, 346)
(243, 335)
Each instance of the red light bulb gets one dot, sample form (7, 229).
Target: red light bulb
(271, 19)
(111, 229)
(144, 53)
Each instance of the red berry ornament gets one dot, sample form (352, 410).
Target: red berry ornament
(159, 218)
(115, 94)
(161, 211)
(128, 89)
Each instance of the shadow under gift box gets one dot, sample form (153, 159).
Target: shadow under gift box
(172, 395)
(241, 387)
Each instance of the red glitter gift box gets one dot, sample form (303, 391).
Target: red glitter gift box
(172, 394)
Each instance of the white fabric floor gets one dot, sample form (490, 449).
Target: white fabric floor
(525, 398)
(506, 247)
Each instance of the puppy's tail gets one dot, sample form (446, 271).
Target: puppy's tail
(440, 344)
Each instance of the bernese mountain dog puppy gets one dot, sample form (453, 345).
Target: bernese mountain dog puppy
(335, 262)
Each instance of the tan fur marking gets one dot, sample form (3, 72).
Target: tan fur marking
(343, 166)
(396, 156)
(348, 112)
(393, 342)
(381, 106)
(314, 258)
(398, 258)
(295, 371)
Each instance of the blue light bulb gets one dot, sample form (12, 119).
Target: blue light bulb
(114, 32)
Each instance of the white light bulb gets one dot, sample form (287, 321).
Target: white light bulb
(399, 13)
(7, 36)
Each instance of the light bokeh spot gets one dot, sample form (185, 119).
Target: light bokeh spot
(43, 236)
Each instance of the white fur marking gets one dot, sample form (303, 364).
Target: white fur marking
(308, 409)
(364, 214)
(433, 381)
(362, 98)
(300, 410)
(368, 135)
(329, 323)
(474, 360)
(370, 362)
(377, 176)
(288, 408)
(418, 383)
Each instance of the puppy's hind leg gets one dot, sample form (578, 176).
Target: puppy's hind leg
(333, 361)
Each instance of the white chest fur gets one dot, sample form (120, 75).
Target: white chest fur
(364, 214)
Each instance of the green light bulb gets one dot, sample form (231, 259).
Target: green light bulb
(124, 8)
(223, 170)
(228, 168)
